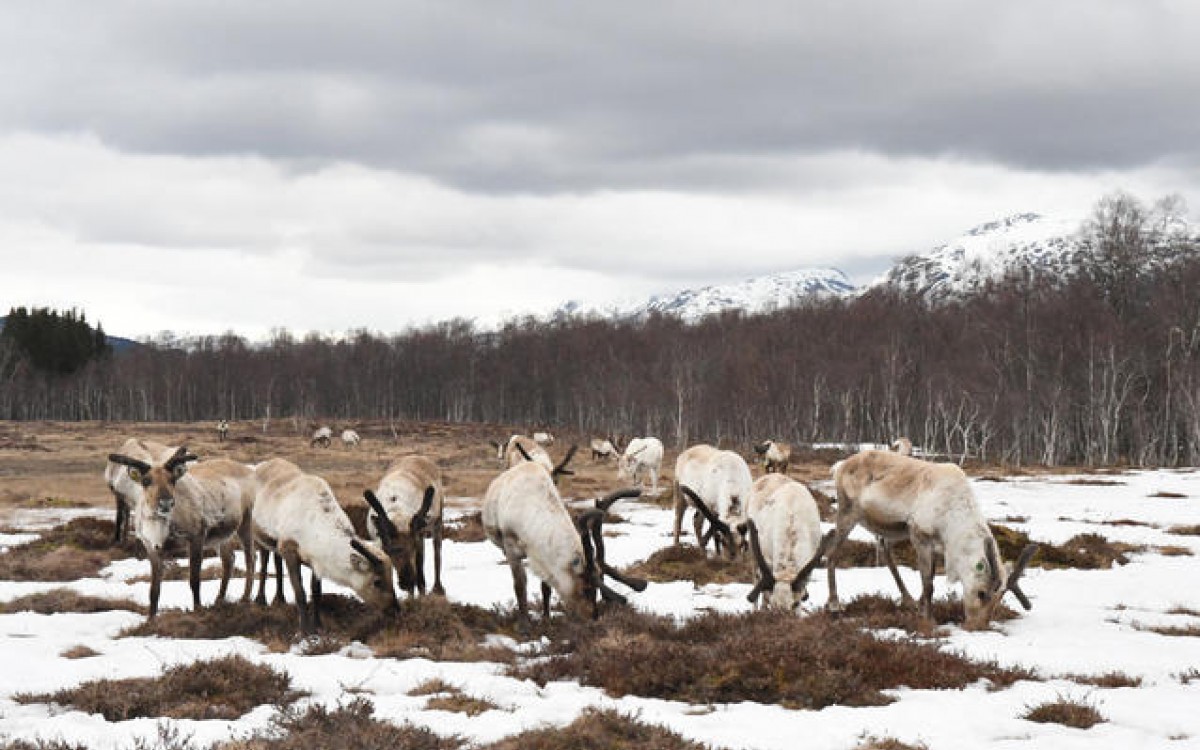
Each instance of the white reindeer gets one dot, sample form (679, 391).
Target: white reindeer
(222, 430)
(602, 449)
(525, 517)
(775, 456)
(127, 490)
(297, 516)
(350, 438)
(406, 508)
(642, 457)
(323, 436)
(719, 484)
(509, 453)
(543, 438)
(208, 506)
(898, 497)
(784, 529)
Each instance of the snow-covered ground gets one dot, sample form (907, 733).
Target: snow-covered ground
(1082, 623)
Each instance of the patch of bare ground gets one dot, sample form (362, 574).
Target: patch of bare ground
(1082, 551)
(1172, 550)
(79, 652)
(224, 688)
(888, 743)
(67, 600)
(446, 697)
(466, 528)
(1069, 712)
(1185, 530)
(77, 549)
(598, 730)
(352, 725)
(687, 562)
(1168, 495)
(430, 627)
(1106, 680)
(1094, 482)
(762, 656)
(1175, 631)
(877, 612)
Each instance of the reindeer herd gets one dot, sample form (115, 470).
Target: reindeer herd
(165, 495)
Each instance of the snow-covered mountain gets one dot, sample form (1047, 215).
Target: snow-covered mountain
(986, 253)
(758, 294)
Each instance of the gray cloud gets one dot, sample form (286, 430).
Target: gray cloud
(533, 96)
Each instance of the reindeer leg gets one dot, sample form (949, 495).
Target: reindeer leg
(121, 521)
(845, 524)
(545, 600)
(246, 536)
(156, 573)
(316, 600)
(291, 556)
(264, 557)
(698, 528)
(195, 555)
(885, 547)
(226, 553)
(437, 558)
(926, 563)
(279, 596)
(680, 507)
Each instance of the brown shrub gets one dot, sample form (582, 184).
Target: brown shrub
(1171, 550)
(74, 550)
(878, 612)
(1168, 495)
(1107, 680)
(598, 730)
(1082, 551)
(1094, 482)
(1067, 711)
(459, 702)
(79, 652)
(468, 528)
(888, 743)
(686, 562)
(67, 600)
(1185, 530)
(352, 725)
(433, 687)
(808, 662)
(224, 688)
(1170, 630)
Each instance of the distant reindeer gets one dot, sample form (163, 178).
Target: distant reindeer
(222, 430)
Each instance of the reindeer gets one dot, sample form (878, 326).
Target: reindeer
(407, 507)
(206, 506)
(784, 528)
(775, 456)
(525, 517)
(641, 457)
(126, 489)
(898, 497)
(719, 480)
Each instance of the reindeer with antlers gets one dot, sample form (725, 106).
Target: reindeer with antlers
(207, 506)
(525, 517)
(897, 497)
(405, 509)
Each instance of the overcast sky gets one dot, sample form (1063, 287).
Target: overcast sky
(204, 167)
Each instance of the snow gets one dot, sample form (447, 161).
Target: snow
(1082, 623)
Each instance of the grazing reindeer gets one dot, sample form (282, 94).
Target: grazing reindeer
(775, 456)
(602, 449)
(785, 538)
(323, 436)
(898, 497)
(407, 507)
(297, 516)
(721, 480)
(207, 506)
(350, 439)
(525, 517)
(643, 456)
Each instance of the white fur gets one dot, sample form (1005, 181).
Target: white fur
(789, 534)
(510, 456)
(642, 457)
(602, 449)
(401, 492)
(350, 438)
(543, 438)
(323, 436)
(776, 456)
(720, 478)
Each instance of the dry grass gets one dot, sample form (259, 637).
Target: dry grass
(762, 657)
(598, 730)
(74, 550)
(1094, 482)
(1168, 495)
(877, 612)
(888, 743)
(1107, 680)
(468, 528)
(224, 688)
(79, 652)
(1175, 631)
(433, 686)
(1082, 551)
(1066, 711)
(460, 702)
(1185, 530)
(67, 600)
(352, 725)
(430, 627)
(1171, 550)
(687, 562)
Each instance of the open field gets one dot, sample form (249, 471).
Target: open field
(1111, 643)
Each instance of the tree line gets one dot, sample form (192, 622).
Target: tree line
(1095, 368)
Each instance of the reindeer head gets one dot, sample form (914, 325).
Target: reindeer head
(558, 471)
(989, 580)
(590, 572)
(403, 545)
(157, 482)
(373, 577)
(781, 593)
